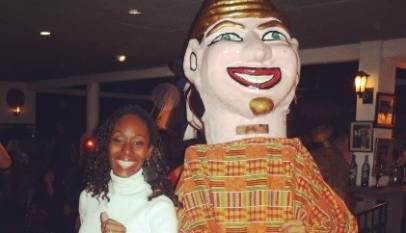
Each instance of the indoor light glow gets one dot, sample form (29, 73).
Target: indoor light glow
(45, 33)
(121, 58)
(134, 12)
(360, 82)
(17, 111)
(89, 144)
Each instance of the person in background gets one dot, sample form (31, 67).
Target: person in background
(43, 215)
(170, 117)
(5, 159)
(126, 185)
(71, 186)
(6, 187)
(331, 162)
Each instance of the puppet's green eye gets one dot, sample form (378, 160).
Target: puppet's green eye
(274, 36)
(226, 37)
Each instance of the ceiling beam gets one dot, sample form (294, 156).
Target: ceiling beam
(400, 82)
(80, 80)
(331, 54)
(102, 94)
(394, 48)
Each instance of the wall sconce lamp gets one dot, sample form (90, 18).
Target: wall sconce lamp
(16, 111)
(360, 87)
(15, 100)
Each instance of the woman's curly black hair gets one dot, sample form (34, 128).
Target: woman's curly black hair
(155, 170)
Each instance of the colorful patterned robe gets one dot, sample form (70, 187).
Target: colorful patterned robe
(255, 185)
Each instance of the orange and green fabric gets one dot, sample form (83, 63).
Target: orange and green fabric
(255, 185)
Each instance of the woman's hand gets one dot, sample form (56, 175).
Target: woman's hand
(293, 226)
(109, 225)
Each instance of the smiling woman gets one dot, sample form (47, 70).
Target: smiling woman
(126, 188)
(129, 146)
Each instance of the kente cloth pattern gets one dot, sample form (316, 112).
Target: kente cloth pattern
(255, 185)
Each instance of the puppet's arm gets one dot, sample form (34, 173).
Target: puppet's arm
(321, 209)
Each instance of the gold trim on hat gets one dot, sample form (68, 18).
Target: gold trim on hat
(215, 10)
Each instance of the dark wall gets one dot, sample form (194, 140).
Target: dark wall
(325, 96)
(66, 110)
(70, 111)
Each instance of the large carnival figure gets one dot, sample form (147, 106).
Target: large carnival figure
(249, 177)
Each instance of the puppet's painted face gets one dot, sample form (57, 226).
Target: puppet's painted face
(241, 60)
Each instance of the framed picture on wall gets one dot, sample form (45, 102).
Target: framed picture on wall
(385, 110)
(361, 138)
(384, 154)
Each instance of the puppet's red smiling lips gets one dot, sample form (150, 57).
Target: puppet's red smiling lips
(261, 78)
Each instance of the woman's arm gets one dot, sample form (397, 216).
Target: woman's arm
(5, 160)
(162, 216)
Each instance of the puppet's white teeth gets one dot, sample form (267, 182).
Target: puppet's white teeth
(255, 78)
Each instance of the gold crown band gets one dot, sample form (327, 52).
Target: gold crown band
(215, 10)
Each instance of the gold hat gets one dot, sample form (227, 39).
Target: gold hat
(215, 10)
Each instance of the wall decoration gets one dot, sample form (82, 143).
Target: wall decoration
(361, 136)
(384, 155)
(385, 112)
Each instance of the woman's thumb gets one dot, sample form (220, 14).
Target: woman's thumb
(103, 217)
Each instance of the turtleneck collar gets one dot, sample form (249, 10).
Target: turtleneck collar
(128, 185)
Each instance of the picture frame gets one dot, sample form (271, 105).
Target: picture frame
(384, 154)
(361, 136)
(385, 110)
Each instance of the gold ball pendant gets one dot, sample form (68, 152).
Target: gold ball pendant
(261, 105)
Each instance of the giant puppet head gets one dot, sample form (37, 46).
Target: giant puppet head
(244, 63)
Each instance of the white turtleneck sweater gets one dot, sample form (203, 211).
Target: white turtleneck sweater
(129, 205)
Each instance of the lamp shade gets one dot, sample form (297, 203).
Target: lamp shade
(360, 82)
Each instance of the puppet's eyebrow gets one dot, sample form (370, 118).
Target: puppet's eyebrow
(272, 23)
(226, 23)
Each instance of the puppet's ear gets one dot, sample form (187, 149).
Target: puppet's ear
(294, 43)
(191, 62)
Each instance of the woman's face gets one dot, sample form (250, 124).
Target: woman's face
(129, 145)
